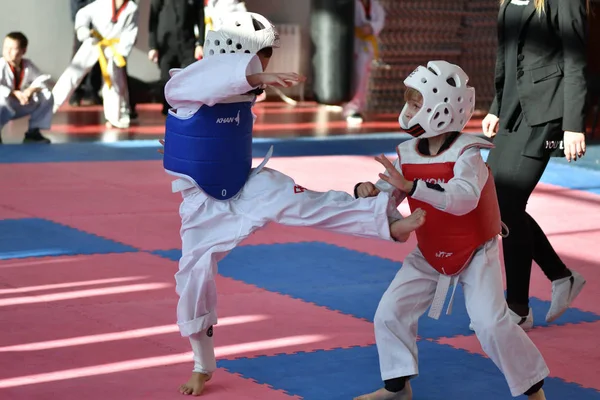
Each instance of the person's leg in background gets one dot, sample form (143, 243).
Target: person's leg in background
(353, 111)
(166, 61)
(87, 91)
(516, 176)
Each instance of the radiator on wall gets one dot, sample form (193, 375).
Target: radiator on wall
(288, 57)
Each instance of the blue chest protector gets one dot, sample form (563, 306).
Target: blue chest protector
(213, 147)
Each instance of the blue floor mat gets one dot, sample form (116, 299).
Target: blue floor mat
(445, 373)
(347, 281)
(33, 237)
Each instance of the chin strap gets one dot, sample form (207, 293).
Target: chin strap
(504, 229)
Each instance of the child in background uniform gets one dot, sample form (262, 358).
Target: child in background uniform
(110, 41)
(208, 147)
(23, 90)
(442, 172)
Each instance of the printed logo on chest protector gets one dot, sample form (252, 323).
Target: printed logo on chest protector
(230, 120)
(434, 181)
(442, 254)
(298, 189)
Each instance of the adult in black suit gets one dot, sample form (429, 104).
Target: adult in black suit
(172, 40)
(539, 112)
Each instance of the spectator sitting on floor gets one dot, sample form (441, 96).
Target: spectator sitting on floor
(23, 91)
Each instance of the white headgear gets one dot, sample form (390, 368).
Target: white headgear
(448, 103)
(241, 32)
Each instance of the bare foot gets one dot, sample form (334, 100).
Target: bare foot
(195, 385)
(401, 229)
(382, 394)
(539, 395)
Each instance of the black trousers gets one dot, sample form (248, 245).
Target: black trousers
(516, 175)
(172, 58)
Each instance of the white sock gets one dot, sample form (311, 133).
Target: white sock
(204, 351)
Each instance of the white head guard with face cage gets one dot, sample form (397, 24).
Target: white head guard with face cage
(241, 32)
(448, 102)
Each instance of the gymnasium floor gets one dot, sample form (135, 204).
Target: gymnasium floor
(88, 248)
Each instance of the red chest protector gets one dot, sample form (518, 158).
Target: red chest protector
(448, 241)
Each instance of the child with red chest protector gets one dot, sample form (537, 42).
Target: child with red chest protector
(442, 172)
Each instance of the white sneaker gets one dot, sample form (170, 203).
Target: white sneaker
(564, 291)
(526, 323)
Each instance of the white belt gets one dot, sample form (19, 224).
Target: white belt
(179, 185)
(441, 292)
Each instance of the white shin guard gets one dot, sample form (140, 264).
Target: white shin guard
(204, 352)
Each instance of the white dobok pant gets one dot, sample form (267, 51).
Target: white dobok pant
(211, 228)
(412, 292)
(39, 110)
(115, 99)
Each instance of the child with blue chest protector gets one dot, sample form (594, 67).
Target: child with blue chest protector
(208, 148)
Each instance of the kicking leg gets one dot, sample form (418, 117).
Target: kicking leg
(396, 319)
(282, 200)
(401, 229)
(82, 63)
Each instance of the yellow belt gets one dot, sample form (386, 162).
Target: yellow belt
(118, 58)
(208, 22)
(368, 38)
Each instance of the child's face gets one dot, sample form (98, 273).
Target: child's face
(264, 61)
(414, 102)
(12, 51)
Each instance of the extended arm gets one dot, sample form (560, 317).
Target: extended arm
(5, 90)
(572, 21)
(83, 19)
(155, 7)
(129, 34)
(377, 17)
(200, 23)
(460, 195)
(386, 187)
(211, 80)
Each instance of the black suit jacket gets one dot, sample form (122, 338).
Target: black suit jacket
(171, 24)
(552, 64)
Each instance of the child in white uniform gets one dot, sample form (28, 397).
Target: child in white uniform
(109, 42)
(23, 90)
(369, 20)
(442, 172)
(208, 147)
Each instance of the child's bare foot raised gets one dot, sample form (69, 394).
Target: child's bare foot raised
(195, 385)
(401, 229)
(383, 394)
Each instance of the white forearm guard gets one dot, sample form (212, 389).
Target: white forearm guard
(204, 352)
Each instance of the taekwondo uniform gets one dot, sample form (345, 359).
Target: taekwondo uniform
(109, 42)
(216, 10)
(366, 50)
(208, 147)
(40, 105)
(458, 242)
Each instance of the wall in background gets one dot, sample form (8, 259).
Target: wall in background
(47, 24)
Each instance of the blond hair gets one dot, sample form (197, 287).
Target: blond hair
(540, 5)
(412, 94)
